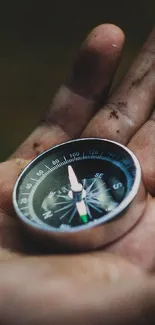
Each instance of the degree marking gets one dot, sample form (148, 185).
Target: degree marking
(48, 168)
(24, 208)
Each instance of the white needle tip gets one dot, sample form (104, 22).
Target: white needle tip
(75, 185)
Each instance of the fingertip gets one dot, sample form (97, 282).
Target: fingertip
(107, 36)
(97, 61)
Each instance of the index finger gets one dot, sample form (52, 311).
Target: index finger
(131, 103)
(76, 101)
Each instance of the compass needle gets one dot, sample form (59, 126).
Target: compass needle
(81, 207)
(77, 190)
(72, 177)
(75, 185)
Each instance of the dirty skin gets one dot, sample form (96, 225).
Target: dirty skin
(114, 114)
(137, 81)
(21, 163)
(36, 148)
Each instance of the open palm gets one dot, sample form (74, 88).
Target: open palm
(83, 107)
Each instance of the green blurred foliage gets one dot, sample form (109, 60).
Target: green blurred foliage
(38, 42)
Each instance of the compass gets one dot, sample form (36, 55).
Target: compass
(80, 195)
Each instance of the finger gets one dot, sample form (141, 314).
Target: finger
(131, 103)
(9, 171)
(79, 290)
(143, 145)
(76, 101)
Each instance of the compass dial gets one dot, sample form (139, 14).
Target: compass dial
(77, 184)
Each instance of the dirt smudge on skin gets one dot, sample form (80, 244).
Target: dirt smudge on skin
(37, 148)
(114, 114)
(21, 163)
(122, 104)
(136, 82)
(115, 107)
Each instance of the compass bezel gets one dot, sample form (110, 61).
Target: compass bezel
(109, 217)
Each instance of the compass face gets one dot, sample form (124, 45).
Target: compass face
(79, 183)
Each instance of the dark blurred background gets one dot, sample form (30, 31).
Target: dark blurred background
(39, 40)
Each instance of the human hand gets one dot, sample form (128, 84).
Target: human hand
(80, 288)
